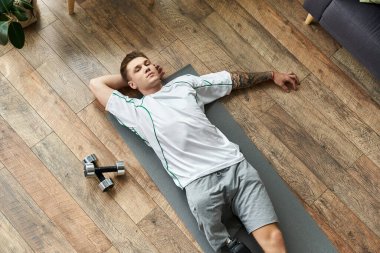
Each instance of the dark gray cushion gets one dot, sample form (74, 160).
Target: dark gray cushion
(357, 27)
(354, 25)
(316, 7)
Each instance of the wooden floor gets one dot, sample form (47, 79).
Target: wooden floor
(324, 140)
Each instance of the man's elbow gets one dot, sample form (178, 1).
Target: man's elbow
(93, 85)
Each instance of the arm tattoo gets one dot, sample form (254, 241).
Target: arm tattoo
(248, 79)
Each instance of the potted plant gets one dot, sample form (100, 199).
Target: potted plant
(14, 15)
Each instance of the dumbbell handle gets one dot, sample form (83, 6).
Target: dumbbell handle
(106, 169)
(99, 175)
(91, 170)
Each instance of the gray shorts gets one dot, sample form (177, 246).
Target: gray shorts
(237, 188)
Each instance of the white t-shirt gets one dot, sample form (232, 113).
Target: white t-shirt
(172, 122)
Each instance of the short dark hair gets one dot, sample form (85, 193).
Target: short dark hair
(129, 57)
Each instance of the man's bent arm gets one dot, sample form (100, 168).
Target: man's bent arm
(103, 86)
(242, 80)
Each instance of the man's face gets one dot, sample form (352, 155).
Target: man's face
(143, 75)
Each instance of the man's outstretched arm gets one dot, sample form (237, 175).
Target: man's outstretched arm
(242, 80)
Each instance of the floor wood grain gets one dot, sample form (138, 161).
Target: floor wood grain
(323, 140)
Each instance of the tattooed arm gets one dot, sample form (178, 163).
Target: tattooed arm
(242, 80)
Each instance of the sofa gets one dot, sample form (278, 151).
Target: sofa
(355, 25)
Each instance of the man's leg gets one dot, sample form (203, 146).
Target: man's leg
(254, 208)
(206, 201)
(270, 238)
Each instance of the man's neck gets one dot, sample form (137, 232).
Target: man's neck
(152, 90)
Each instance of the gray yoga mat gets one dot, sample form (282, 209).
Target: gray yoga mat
(301, 233)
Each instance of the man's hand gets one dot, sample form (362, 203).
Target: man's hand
(286, 81)
(160, 71)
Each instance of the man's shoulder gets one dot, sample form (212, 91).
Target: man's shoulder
(184, 79)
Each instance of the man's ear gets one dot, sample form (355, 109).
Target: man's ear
(132, 85)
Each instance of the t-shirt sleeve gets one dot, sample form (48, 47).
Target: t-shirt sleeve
(123, 108)
(212, 86)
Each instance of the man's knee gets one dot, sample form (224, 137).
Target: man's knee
(270, 239)
(276, 238)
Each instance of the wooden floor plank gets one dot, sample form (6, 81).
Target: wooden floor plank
(45, 18)
(36, 50)
(117, 23)
(63, 120)
(48, 193)
(342, 117)
(20, 115)
(112, 250)
(41, 97)
(28, 219)
(331, 234)
(85, 29)
(240, 51)
(194, 9)
(59, 76)
(303, 182)
(5, 49)
(319, 64)
(141, 20)
(114, 222)
(356, 71)
(99, 15)
(252, 33)
(296, 14)
(178, 55)
(191, 34)
(329, 171)
(344, 222)
(10, 240)
(300, 108)
(72, 51)
(367, 174)
(165, 235)
(94, 117)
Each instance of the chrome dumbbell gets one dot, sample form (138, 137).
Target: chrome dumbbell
(91, 170)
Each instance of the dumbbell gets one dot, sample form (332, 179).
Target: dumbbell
(234, 246)
(90, 170)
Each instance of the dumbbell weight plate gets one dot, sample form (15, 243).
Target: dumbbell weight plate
(120, 168)
(89, 170)
(106, 184)
(90, 159)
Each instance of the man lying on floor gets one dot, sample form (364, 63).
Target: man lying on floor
(198, 156)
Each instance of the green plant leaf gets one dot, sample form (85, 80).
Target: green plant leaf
(16, 35)
(4, 17)
(19, 13)
(5, 5)
(26, 4)
(4, 25)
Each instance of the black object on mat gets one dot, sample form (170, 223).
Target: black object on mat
(301, 233)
